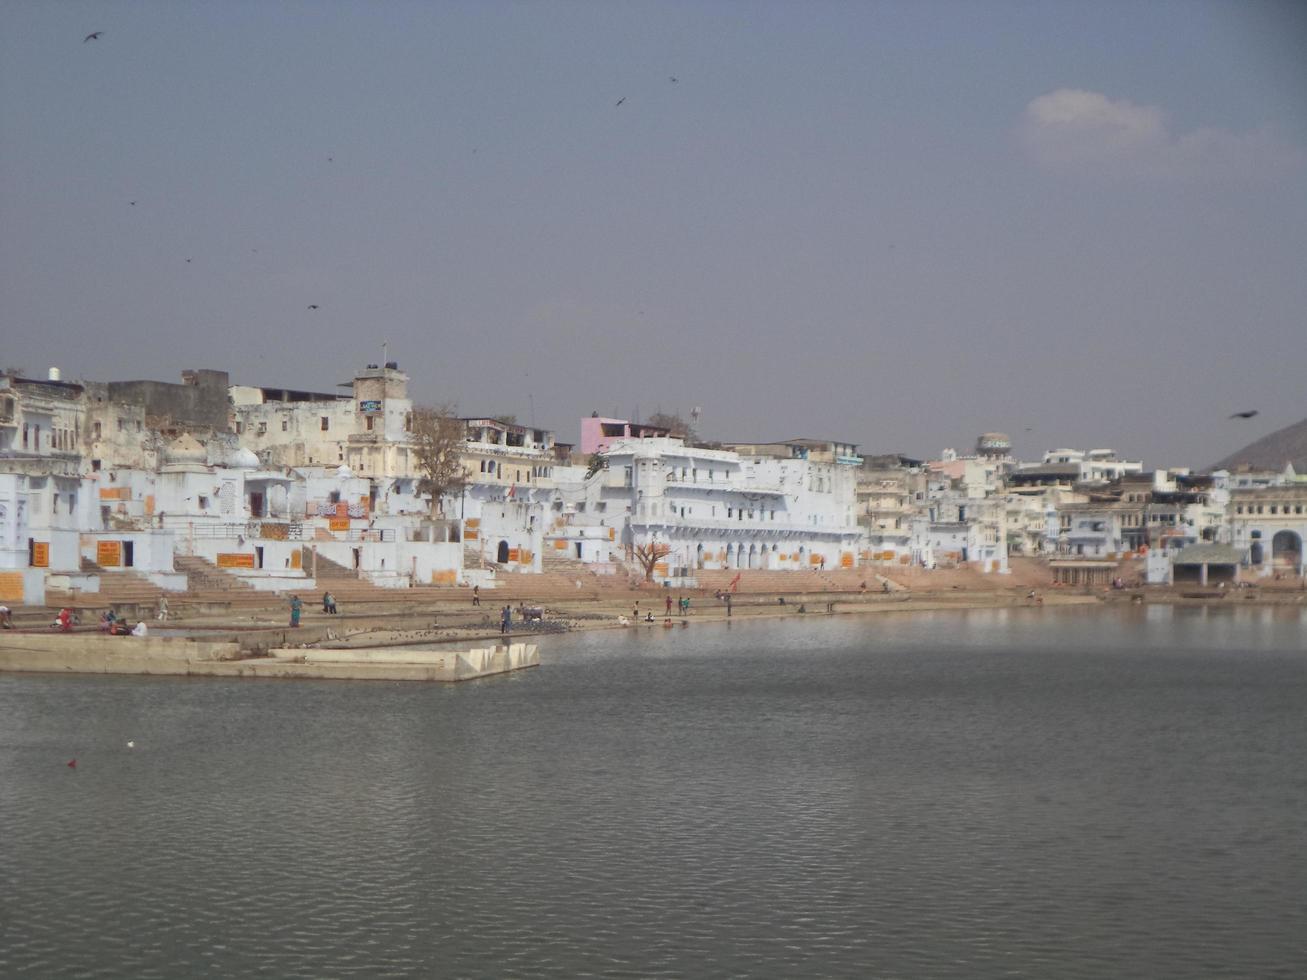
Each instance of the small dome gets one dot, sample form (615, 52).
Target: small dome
(184, 449)
(343, 472)
(243, 459)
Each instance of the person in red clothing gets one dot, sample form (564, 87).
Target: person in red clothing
(65, 620)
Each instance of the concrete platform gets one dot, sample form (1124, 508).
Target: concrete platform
(171, 656)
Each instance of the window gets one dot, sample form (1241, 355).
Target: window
(285, 425)
(326, 423)
(263, 428)
(370, 419)
(204, 502)
(96, 430)
(138, 425)
(122, 425)
(240, 427)
(95, 466)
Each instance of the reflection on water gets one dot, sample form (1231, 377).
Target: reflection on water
(1016, 793)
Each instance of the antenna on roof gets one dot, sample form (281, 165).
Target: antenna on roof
(384, 345)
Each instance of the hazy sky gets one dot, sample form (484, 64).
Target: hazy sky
(899, 224)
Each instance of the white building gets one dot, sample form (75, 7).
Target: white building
(711, 508)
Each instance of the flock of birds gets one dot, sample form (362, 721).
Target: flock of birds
(96, 35)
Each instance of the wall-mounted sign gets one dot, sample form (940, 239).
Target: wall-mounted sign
(370, 405)
(234, 560)
(109, 554)
(40, 554)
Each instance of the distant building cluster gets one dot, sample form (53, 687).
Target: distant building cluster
(164, 479)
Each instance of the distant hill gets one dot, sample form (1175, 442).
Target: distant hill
(1287, 445)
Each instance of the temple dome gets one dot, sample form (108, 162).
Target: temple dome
(184, 450)
(243, 459)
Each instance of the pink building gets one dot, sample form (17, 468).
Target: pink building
(597, 434)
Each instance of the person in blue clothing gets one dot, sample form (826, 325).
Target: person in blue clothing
(506, 620)
(295, 607)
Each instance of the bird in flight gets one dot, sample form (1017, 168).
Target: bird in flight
(1244, 415)
(93, 36)
(673, 79)
(313, 306)
(132, 203)
(188, 260)
(621, 100)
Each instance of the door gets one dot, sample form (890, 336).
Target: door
(258, 556)
(129, 554)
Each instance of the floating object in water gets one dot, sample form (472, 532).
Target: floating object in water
(72, 763)
(131, 745)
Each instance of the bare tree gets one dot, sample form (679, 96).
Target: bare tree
(439, 437)
(649, 555)
(676, 425)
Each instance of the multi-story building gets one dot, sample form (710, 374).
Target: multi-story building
(711, 508)
(1269, 527)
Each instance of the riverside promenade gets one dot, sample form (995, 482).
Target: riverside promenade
(243, 633)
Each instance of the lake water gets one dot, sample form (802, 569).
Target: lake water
(1019, 793)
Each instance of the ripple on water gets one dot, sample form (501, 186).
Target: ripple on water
(950, 796)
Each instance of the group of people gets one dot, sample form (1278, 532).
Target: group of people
(682, 605)
(109, 623)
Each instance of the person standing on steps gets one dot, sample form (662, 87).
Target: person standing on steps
(295, 608)
(476, 595)
(506, 620)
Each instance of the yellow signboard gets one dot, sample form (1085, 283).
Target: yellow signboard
(108, 554)
(234, 560)
(40, 554)
(297, 558)
(115, 493)
(338, 523)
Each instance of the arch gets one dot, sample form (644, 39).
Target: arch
(753, 556)
(1286, 550)
(501, 555)
(698, 555)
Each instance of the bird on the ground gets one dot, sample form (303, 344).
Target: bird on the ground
(313, 306)
(1244, 415)
(93, 36)
(621, 100)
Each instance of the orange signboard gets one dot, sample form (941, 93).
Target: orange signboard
(109, 554)
(338, 523)
(234, 560)
(846, 559)
(115, 493)
(470, 534)
(514, 554)
(40, 554)
(11, 586)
